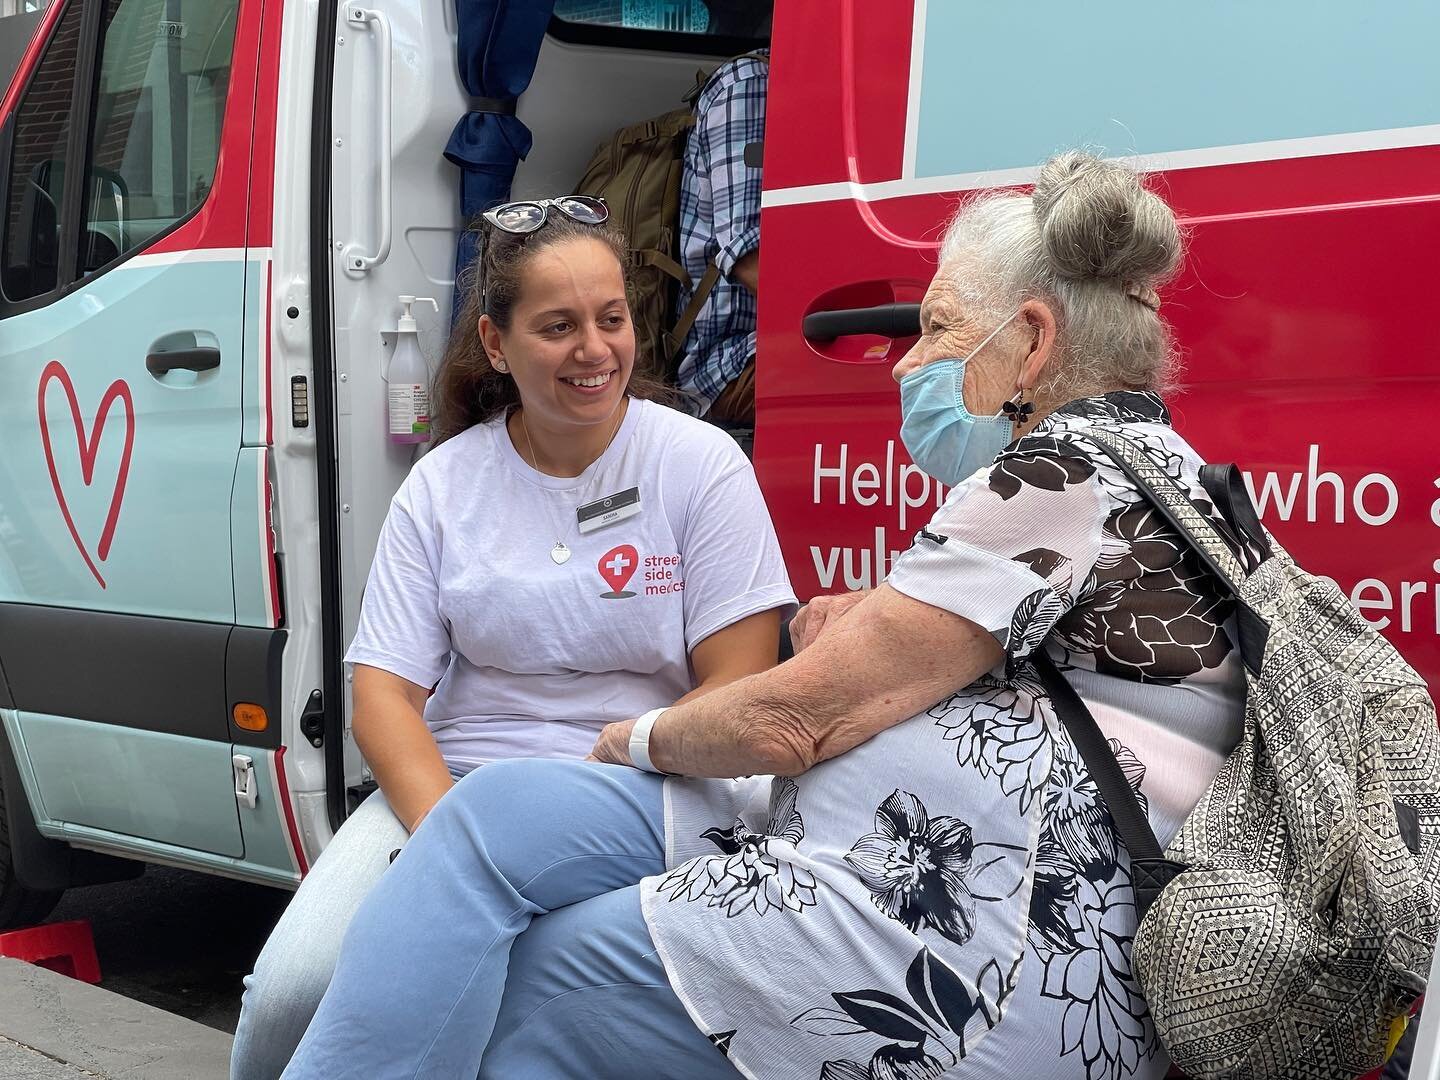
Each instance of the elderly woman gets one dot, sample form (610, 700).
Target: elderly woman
(928, 883)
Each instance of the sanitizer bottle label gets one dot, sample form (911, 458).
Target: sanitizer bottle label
(409, 409)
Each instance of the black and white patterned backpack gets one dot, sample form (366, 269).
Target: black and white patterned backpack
(1289, 925)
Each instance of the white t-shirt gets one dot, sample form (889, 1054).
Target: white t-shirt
(533, 658)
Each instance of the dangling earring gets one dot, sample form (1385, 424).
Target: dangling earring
(1018, 409)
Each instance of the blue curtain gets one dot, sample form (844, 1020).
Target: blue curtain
(499, 41)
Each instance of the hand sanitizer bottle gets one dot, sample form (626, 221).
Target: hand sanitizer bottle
(409, 396)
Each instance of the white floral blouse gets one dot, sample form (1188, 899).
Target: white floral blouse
(949, 898)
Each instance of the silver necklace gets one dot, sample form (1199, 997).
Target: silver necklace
(560, 553)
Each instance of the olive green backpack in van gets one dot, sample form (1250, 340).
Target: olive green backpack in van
(1286, 931)
(637, 171)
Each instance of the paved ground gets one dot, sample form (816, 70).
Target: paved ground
(173, 947)
(21, 1063)
(177, 940)
(57, 1028)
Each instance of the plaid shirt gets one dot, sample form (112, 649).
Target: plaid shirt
(720, 222)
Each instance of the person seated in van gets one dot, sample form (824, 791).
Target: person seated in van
(572, 553)
(720, 223)
(929, 883)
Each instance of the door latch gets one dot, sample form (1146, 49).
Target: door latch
(246, 792)
(312, 720)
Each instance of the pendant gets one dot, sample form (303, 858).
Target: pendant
(560, 553)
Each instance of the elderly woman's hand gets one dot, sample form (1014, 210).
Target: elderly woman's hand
(819, 614)
(613, 745)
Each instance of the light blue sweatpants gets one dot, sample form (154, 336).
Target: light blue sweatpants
(507, 941)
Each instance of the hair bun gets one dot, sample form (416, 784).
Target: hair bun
(1098, 221)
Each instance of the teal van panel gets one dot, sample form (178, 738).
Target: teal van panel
(1145, 80)
(255, 420)
(266, 826)
(115, 484)
(169, 855)
(251, 541)
(165, 788)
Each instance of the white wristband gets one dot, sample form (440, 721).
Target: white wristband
(640, 741)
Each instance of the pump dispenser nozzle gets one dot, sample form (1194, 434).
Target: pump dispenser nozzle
(407, 317)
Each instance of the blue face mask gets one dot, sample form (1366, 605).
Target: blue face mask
(943, 438)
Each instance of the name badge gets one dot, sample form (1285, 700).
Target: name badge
(609, 510)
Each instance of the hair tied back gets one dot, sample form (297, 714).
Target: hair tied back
(1143, 294)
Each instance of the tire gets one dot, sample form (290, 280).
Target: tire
(19, 906)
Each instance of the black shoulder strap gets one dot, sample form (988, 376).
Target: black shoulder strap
(1150, 871)
(1226, 488)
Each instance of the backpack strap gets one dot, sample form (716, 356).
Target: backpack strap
(664, 263)
(1172, 502)
(1150, 870)
(681, 330)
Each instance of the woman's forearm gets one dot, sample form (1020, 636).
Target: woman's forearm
(726, 732)
(886, 661)
(391, 732)
(409, 769)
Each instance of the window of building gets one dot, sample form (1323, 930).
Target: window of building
(640, 24)
(675, 16)
(22, 7)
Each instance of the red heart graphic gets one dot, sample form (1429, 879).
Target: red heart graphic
(120, 390)
(618, 565)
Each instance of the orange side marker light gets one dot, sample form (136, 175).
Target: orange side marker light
(250, 717)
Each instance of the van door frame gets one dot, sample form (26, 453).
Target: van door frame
(322, 414)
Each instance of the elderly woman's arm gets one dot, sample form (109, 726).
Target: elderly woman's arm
(890, 657)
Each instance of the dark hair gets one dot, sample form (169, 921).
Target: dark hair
(468, 390)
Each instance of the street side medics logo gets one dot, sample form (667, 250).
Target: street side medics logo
(618, 565)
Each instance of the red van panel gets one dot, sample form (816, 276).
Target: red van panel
(1302, 311)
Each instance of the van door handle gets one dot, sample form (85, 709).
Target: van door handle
(198, 358)
(884, 320)
(356, 260)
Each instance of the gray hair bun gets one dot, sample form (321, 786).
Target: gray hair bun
(1097, 221)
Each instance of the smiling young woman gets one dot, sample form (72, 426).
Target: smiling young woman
(571, 553)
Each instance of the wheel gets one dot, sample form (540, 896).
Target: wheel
(19, 906)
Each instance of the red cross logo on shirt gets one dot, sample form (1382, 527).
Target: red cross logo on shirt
(617, 566)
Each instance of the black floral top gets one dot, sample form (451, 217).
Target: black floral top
(950, 898)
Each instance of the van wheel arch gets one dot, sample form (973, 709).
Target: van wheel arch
(20, 905)
(35, 871)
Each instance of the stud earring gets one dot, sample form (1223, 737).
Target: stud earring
(1018, 409)
(502, 367)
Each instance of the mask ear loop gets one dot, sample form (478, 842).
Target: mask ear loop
(1017, 409)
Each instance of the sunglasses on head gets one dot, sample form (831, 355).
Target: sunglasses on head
(524, 218)
(521, 218)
